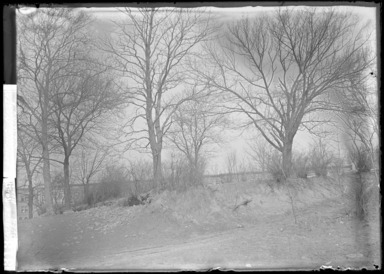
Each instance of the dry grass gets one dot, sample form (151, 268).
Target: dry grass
(230, 201)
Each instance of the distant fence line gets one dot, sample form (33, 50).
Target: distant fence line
(77, 190)
(207, 179)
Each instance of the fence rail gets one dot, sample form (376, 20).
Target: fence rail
(77, 190)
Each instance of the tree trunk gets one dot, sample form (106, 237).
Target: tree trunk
(156, 148)
(30, 197)
(47, 181)
(287, 158)
(157, 168)
(196, 170)
(86, 191)
(45, 152)
(67, 189)
(30, 187)
(194, 174)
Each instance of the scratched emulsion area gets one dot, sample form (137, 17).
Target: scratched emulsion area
(9, 176)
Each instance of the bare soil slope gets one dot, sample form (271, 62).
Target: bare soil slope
(242, 225)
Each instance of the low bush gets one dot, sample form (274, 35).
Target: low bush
(57, 186)
(58, 209)
(41, 210)
(320, 158)
(146, 198)
(108, 189)
(180, 175)
(361, 158)
(140, 174)
(300, 166)
(81, 207)
(275, 168)
(111, 186)
(132, 200)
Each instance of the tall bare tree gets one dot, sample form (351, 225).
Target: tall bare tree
(46, 38)
(359, 121)
(149, 48)
(197, 125)
(281, 69)
(81, 104)
(67, 92)
(29, 155)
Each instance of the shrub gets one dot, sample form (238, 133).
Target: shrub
(146, 198)
(320, 158)
(275, 168)
(41, 210)
(90, 198)
(58, 192)
(38, 202)
(80, 207)
(140, 174)
(109, 189)
(132, 200)
(260, 153)
(180, 175)
(360, 157)
(301, 166)
(58, 208)
(174, 172)
(338, 166)
(111, 186)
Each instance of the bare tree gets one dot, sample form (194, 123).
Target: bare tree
(89, 165)
(360, 139)
(140, 174)
(197, 125)
(260, 153)
(81, 104)
(231, 162)
(235, 168)
(177, 172)
(29, 154)
(46, 38)
(149, 48)
(280, 70)
(360, 122)
(70, 92)
(320, 157)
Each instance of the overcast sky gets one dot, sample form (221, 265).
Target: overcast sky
(235, 141)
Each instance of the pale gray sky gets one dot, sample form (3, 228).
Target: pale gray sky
(235, 141)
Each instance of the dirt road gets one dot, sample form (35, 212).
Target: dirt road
(324, 235)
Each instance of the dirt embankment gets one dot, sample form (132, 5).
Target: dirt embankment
(305, 224)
